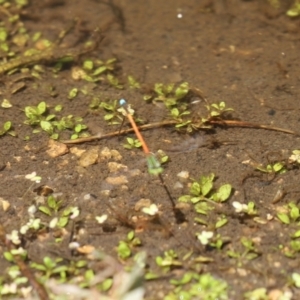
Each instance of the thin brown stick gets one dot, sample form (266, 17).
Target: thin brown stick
(116, 133)
(236, 123)
(213, 122)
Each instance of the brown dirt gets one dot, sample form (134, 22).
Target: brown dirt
(241, 52)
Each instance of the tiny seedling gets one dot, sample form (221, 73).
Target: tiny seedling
(248, 253)
(132, 143)
(133, 84)
(277, 167)
(112, 116)
(181, 121)
(217, 110)
(7, 129)
(203, 190)
(169, 94)
(292, 249)
(72, 93)
(54, 209)
(124, 248)
(168, 261)
(36, 115)
(196, 286)
(291, 214)
(257, 294)
(104, 66)
(114, 82)
(50, 268)
(294, 11)
(248, 209)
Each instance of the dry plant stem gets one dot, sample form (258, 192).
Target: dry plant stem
(49, 55)
(40, 289)
(116, 133)
(228, 123)
(236, 123)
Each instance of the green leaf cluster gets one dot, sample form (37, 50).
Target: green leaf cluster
(198, 286)
(247, 253)
(54, 209)
(7, 129)
(203, 189)
(168, 261)
(291, 215)
(132, 143)
(169, 94)
(124, 248)
(37, 115)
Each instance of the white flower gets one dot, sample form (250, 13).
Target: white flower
(295, 157)
(9, 289)
(205, 236)
(152, 210)
(32, 210)
(14, 237)
(239, 207)
(53, 222)
(20, 251)
(33, 177)
(74, 212)
(101, 219)
(24, 229)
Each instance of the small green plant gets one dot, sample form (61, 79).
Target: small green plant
(114, 81)
(168, 261)
(291, 249)
(257, 294)
(112, 116)
(291, 214)
(54, 209)
(217, 110)
(248, 253)
(69, 123)
(36, 115)
(7, 129)
(124, 249)
(294, 11)
(203, 189)
(169, 94)
(277, 167)
(248, 208)
(72, 93)
(50, 268)
(181, 120)
(104, 66)
(196, 286)
(132, 143)
(133, 84)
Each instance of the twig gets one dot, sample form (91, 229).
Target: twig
(236, 123)
(213, 122)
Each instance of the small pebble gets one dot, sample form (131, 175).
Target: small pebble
(183, 175)
(119, 180)
(89, 157)
(116, 167)
(56, 149)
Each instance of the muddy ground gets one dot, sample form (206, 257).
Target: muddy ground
(245, 53)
